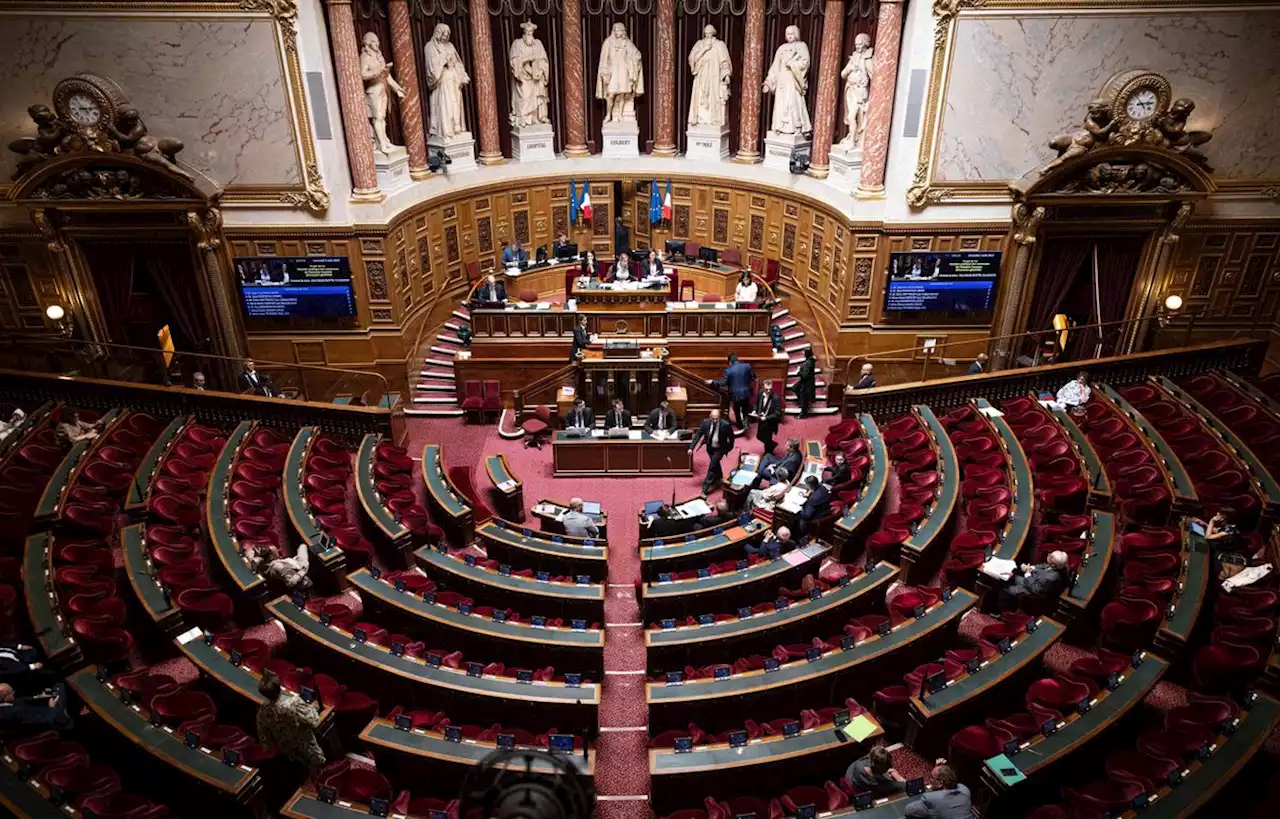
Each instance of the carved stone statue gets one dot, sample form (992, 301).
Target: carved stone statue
(1096, 130)
(445, 77)
(1173, 126)
(376, 73)
(529, 70)
(619, 79)
(712, 69)
(788, 80)
(857, 89)
(50, 139)
(132, 135)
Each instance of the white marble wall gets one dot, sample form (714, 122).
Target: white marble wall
(1017, 80)
(218, 85)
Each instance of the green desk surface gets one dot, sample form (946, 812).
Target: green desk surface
(1080, 728)
(879, 577)
(427, 556)
(381, 734)
(148, 590)
(52, 495)
(35, 417)
(1019, 525)
(877, 478)
(731, 535)
(217, 522)
(948, 485)
(761, 751)
(1270, 488)
(302, 622)
(164, 745)
(342, 399)
(1209, 776)
(367, 491)
(217, 665)
(1102, 545)
(140, 487)
(41, 604)
(1028, 649)
(833, 662)
(296, 504)
(438, 486)
(532, 540)
(671, 589)
(1195, 586)
(389, 401)
(22, 800)
(445, 616)
(497, 466)
(1182, 485)
(1097, 475)
(305, 805)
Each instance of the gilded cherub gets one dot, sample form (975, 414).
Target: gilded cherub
(132, 135)
(51, 136)
(1173, 125)
(1096, 130)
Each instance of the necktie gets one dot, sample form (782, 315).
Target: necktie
(662, 419)
(715, 435)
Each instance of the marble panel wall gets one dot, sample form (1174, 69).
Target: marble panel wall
(218, 85)
(1017, 79)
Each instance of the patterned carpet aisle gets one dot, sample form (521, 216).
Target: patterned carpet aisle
(622, 778)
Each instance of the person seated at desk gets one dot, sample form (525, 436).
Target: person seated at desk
(1076, 392)
(874, 773)
(816, 504)
(1041, 580)
(588, 265)
(492, 290)
(838, 473)
(717, 516)
(619, 417)
(867, 378)
(76, 430)
(948, 799)
(790, 461)
(291, 572)
(255, 383)
(653, 266)
(772, 547)
(661, 418)
(747, 291)
(561, 245)
(580, 417)
(978, 367)
(18, 661)
(514, 254)
(769, 497)
(7, 427)
(47, 709)
(577, 523)
(621, 269)
(666, 525)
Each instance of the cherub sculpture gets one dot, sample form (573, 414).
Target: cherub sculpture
(1173, 125)
(132, 135)
(49, 141)
(1096, 130)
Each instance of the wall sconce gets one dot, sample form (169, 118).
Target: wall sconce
(60, 320)
(1172, 304)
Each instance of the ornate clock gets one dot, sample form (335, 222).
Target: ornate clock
(86, 103)
(1137, 98)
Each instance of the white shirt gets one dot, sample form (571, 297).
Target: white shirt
(746, 292)
(1074, 394)
(621, 273)
(654, 270)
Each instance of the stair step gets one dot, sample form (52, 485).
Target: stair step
(436, 386)
(796, 347)
(438, 362)
(777, 314)
(442, 350)
(793, 336)
(814, 410)
(449, 339)
(440, 373)
(435, 399)
(458, 314)
(818, 384)
(452, 325)
(436, 412)
(786, 325)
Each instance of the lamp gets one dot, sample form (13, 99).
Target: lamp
(1173, 302)
(58, 316)
(55, 312)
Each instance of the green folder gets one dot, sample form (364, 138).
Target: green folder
(1006, 770)
(859, 728)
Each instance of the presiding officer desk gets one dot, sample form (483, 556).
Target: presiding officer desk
(640, 453)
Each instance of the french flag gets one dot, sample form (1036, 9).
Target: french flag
(586, 203)
(666, 204)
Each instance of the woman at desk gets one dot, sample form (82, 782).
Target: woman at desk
(747, 292)
(589, 265)
(621, 270)
(653, 266)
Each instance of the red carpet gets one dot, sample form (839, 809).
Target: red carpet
(622, 761)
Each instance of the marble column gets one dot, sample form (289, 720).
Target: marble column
(752, 77)
(824, 114)
(664, 80)
(406, 70)
(575, 104)
(485, 87)
(884, 83)
(355, 116)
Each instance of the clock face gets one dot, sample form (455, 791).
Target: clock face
(1141, 104)
(84, 109)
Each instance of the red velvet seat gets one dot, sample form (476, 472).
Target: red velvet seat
(354, 784)
(1200, 712)
(1058, 693)
(183, 706)
(1225, 667)
(47, 750)
(1105, 797)
(103, 643)
(1133, 766)
(802, 795)
(208, 607)
(88, 520)
(1177, 745)
(78, 780)
(1128, 625)
(538, 426)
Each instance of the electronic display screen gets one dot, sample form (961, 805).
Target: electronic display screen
(959, 286)
(296, 286)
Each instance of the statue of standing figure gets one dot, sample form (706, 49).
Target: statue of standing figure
(712, 69)
(788, 81)
(619, 79)
(376, 73)
(529, 69)
(445, 77)
(857, 89)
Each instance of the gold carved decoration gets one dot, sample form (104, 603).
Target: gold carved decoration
(285, 13)
(1026, 220)
(206, 224)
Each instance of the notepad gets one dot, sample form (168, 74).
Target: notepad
(745, 477)
(1006, 769)
(795, 557)
(991, 412)
(859, 728)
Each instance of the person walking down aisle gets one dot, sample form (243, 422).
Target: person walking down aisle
(737, 379)
(768, 414)
(289, 724)
(716, 435)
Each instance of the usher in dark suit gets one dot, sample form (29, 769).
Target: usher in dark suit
(717, 437)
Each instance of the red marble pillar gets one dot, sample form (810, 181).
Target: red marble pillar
(664, 141)
(486, 88)
(406, 71)
(752, 77)
(355, 116)
(884, 82)
(824, 114)
(575, 104)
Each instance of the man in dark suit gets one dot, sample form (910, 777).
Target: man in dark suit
(661, 418)
(979, 365)
(716, 435)
(867, 378)
(717, 516)
(768, 413)
(665, 525)
(737, 379)
(838, 473)
(816, 505)
(48, 709)
(492, 290)
(807, 381)
(790, 461)
(1043, 580)
(621, 236)
(581, 416)
(618, 417)
(514, 254)
(948, 799)
(779, 544)
(581, 338)
(252, 381)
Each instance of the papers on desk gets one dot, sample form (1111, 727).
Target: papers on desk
(1052, 405)
(550, 510)
(1006, 769)
(597, 433)
(723, 305)
(634, 435)
(544, 305)
(991, 412)
(568, 390)
(999, 568)
(508, 485)
(795, 557)
(859, 728)
(662, 434)
(813, 549)
(794, 500)
(691, 305)
(695, 508)
(745, 477)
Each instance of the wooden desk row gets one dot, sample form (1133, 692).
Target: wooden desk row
(699, 548)
(917, 549)
(218, 517)
(646, 455)
(412, 752)
(1095, 474)
(509, 487)
(64, 476)
(1082, 596)
(392, 530)
(499, 588)
(726, 590)
(151, 594)
(558, 554)
(140, 487)
(1183, 490)
(875, 480)
(318, 543)
(445, 498)
(1183, 612)
(51, 631)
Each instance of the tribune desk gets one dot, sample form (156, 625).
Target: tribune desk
(640, 453)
